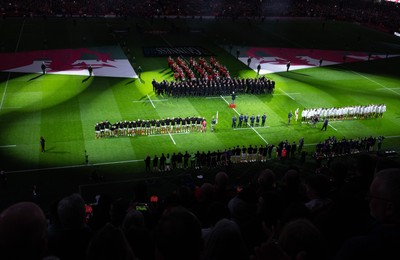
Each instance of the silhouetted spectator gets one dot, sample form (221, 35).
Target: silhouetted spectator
(71, 238)
(23, 232)
(225, 242)
(109, 244)
(383, 239)
(178, 235)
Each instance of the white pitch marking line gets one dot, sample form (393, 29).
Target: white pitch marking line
(151, 102)
(355, 72)
(171, 138)
(7, 146)
(145, 101)
(287, 94)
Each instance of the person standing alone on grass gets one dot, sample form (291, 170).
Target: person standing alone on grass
(43, 68)
(90, 69)
(290, 115)
(139, 71)
(213, 122)
(42, 144)
(288, 66)
(325, 125)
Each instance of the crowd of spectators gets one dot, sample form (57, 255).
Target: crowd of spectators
(273, 215)
(383, 15)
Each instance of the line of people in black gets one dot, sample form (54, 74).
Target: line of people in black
(243, 120)
(284, 150)
(215, 87)
(332, 146)
(211, 159)
(150, 126)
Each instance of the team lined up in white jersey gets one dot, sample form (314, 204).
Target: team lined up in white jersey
(340, 113)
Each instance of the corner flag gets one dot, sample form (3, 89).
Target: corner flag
(216, 118)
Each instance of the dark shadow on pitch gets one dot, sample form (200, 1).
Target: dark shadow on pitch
(36, 77)
(130, 82)
(52, 150)
(85, 79)
(298, 73)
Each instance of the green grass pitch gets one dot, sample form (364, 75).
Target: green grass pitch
(64, 109)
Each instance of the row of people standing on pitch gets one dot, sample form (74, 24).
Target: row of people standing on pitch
(150, 126)
(222, 157)
(350, 112)
(246, 120)
(333, 146)
(217, 87)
